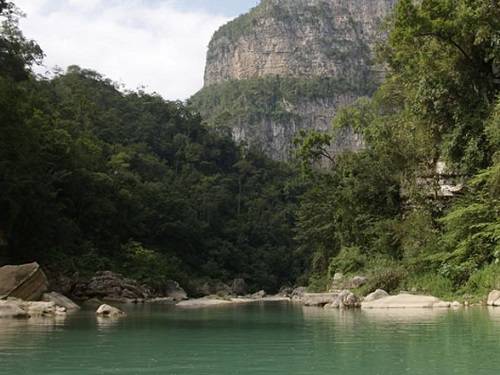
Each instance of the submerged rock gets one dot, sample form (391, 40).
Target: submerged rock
(494, 298)
(27, 282)
(109, 311)
(60, 300)
(405, 301)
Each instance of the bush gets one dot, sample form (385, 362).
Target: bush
(349, 260)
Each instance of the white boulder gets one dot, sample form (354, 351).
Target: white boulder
(109, 311)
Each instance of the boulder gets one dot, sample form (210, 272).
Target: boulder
(456, 304)
(285, 291)
(344, 300)
(258, 295)
(402, 301)
(319, 299)
(27, 282)
(356, 282)
(11, 309)
(298, 293)
(378, 294)
(239, 287)
(223, 290)
(174, 291)
(108, 311)
(111, 287)
(60, 300)
(494, 298)
(38, 308)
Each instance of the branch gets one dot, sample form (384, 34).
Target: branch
(449, 40)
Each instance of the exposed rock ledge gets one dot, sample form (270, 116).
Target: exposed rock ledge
(405, 301)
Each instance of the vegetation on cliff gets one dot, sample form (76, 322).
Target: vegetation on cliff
(382, 210)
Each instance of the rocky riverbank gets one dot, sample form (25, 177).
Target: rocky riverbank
(25, 292)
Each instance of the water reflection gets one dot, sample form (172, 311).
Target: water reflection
(404, 315)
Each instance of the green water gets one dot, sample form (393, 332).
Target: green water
(273, 338)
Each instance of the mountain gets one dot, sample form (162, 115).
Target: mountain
(288, 66)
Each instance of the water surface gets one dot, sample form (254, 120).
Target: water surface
(271, 338)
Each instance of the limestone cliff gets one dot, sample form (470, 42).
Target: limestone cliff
(288, 65)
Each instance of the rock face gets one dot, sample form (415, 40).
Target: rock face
(287, 66)
(110, 286)
(27, 282)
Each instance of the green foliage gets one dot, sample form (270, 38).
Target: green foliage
(372, 212)
(445, 54)
(93, 178)
(348, 261)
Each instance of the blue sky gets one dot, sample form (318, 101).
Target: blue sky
(156, 45)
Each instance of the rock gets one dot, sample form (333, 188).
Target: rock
(38, 308)
(442, 305)
(111, 287)
(27, 282)
(60, 300)
(109, 311)
(239, 287)
(494, 298)
(356, 282)
(173, 290)
(456, 304)
(258, 295)
(10, 309)
(345, 300)
(302, 41)
(405, 301)
(223, 290)
(337, 282)
(285, 291)
(319, 299)
(378, 294)
(298, 293)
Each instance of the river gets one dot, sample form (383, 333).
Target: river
(270, 338)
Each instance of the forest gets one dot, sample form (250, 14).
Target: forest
(94, 177)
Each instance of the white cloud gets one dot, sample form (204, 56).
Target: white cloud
(134, 42)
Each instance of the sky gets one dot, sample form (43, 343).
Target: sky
(156, 45)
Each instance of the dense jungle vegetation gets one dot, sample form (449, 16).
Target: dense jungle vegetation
(93, 177)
